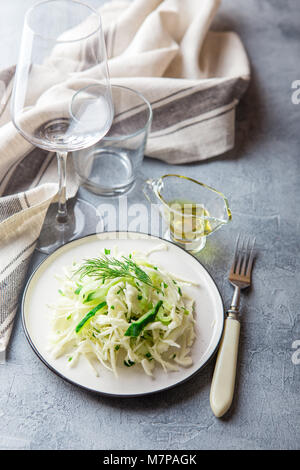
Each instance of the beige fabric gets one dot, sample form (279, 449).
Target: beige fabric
(192, 76)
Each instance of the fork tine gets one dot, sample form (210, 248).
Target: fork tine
(240, 256)
(232, 269)
(251, 258)
(245, 256)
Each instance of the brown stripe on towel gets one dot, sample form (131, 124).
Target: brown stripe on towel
(9, 325)
(28, 247)
(9, 288)
(163, 98)
(26, 171)
(189, 106)
(185, 126)
(9, 206)
(196, 103)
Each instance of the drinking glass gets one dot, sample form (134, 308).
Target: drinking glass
(62, 98)
(111, 166)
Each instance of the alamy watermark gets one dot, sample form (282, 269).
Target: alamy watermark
(185, 221)
(296, 94)
(137, 217)
(296, 353)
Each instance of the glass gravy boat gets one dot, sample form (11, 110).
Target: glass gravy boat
(191, 210)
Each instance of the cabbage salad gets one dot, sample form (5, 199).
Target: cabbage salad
(116, 309)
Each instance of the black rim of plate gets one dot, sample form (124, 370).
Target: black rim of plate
(98, 392)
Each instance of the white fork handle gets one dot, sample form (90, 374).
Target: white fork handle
(222, 387)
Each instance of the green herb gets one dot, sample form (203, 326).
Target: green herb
(88, 298)
(106, 251)
(117, 347)
(61, 292)
(70, 359)
(174, 282)
(112, 307)
(155, 267)
(179, 291)
(90, 314)
(77, 291)
(137, 327)
(174, 355)
(68, 318)
(165, 285)
(129, 363)
(110, 268)
(139, 297)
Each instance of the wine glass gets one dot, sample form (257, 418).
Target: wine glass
(62, 99)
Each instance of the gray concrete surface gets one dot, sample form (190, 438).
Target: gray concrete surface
(260, 176)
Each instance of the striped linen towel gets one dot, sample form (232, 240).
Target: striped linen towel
(193, 78)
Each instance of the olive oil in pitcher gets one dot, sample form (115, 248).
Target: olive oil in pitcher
(187, 221)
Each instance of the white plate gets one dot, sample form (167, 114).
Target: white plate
(42, 289)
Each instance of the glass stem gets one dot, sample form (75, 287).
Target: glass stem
(62, 214)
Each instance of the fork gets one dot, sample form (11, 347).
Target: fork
(223, 383)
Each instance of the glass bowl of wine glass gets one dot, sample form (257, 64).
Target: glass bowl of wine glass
(62, 99)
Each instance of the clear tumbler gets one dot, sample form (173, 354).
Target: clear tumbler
(110, 167)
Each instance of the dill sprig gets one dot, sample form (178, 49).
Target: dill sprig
(106, 267)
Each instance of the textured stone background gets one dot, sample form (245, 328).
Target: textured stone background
(261, 179)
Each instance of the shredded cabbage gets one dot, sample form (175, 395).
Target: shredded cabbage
(93, 316)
